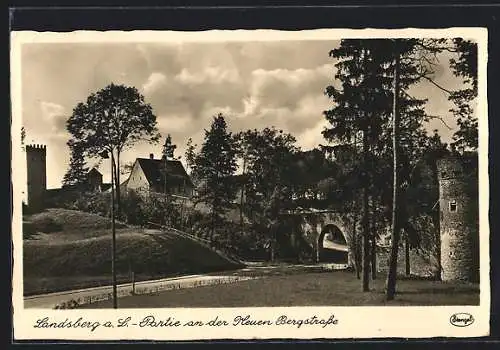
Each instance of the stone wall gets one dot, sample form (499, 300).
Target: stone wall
(421, 264)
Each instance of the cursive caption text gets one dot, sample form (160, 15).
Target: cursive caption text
(150, 321)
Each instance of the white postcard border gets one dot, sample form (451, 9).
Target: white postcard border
(357, 322)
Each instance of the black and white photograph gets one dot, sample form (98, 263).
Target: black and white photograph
(246, 172)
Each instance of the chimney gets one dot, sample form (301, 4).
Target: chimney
(151, 156)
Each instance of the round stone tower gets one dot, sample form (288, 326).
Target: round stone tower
(36, 175)
(459, 215)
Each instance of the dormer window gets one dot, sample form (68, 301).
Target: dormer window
(453, 206)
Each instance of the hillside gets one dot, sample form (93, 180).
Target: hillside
(70, 249)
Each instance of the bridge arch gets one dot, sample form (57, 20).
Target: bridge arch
(332, 244)
(315, 225)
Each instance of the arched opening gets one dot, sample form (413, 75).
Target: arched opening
(332, 245)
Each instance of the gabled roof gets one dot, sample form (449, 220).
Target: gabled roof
(153, 170)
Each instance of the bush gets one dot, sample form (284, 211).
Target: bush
(245, 242)
(96, 203)
(160, 211)
(133, 209)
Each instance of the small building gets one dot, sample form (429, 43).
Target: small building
(163, 176)
(91, 183)
(94, 180)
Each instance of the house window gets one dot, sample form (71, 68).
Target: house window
(453, 206)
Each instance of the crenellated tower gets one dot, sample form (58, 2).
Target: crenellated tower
(36, 175)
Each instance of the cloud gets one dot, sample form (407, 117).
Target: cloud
(155, 81)
(213, 75)
(311, 137)
(50, 109)
(54, 118)
(255, 84)
(284, 87)
(179, 124)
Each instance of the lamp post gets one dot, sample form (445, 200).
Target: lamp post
(113, 229)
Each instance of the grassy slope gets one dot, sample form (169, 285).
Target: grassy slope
(77, 253)
(339, 288)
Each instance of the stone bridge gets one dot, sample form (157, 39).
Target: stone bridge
(331, 237)
(327, 232)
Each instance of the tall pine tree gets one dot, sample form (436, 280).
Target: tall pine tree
(190, 155)
(76, 175)
(214, 167)
(168, 154)
(363, 110)
(168, 149)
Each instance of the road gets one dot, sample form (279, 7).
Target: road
(87, 295)
(49, 301)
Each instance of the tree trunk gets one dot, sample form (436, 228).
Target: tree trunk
(437, 229)
(113, 236)
(356, 243)
(407, 255)
(165, 200)
(355, 247)
(117, 183)
(273, 244)
(212, 230)
(393, 262)
(317, 257)
(374, 244)
(242, 192)
(181, 214)
(113, 179)
(366, 224)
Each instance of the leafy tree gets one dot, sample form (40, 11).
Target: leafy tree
(312, 171)
(77, 171)
(214, 167)
(110, 121)
(463, 63)
(343, 193)
(465, 66)
(422, 225)
(269, 154)
(279, 200)
(243, 144)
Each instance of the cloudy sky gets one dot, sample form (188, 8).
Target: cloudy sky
(255, 84)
